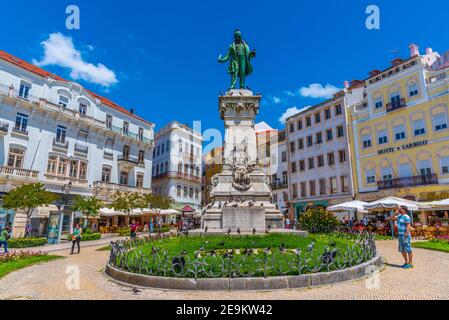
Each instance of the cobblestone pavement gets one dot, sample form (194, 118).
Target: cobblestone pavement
(428, 280)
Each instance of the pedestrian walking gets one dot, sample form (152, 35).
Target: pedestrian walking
(4, 237)
(76, 238)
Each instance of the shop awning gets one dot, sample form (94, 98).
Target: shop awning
(188, 209)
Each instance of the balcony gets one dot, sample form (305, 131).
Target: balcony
(178, 175)
(60, 144)
(130, 160)
(408, 182)
(4, 128)
(391, 107)
(278, 185)
(114, 187)
(20, 131)
(18, 172)
(81, 148)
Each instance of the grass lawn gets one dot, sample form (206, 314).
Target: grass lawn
(107, 248)
(11, 266)
(437, 246)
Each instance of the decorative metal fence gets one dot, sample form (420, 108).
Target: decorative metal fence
(139, 256)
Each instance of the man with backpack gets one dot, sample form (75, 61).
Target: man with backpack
(4, 237)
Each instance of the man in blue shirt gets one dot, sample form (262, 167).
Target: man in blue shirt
(405, 238)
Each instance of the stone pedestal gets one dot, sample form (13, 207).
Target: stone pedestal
(241, 196)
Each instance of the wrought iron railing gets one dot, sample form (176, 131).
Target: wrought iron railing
(421, 180)
(399, 105)
(143, 256)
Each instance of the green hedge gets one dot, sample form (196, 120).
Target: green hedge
(87, 237)
(26, 242)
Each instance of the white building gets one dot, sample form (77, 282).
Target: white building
(177, 161)
(319, 156)
(74, 141)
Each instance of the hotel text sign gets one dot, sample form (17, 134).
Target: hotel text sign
(404, 147)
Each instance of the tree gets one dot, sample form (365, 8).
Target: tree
(27, 198)
(125, 201)
(88, 206)
(156, 203)
(318, 220)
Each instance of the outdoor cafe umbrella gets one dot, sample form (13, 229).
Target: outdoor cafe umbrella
(439, 205)
(352, 206)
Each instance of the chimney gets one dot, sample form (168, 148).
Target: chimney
(131, 110)
(346, 84)
(429, 51)
(414, 50)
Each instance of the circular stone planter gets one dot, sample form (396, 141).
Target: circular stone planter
(271, 283)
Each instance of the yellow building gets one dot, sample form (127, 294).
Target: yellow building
(399, 132)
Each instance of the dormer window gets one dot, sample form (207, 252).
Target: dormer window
(63, 101)
(83, 108)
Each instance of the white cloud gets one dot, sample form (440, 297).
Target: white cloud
(276, 100)
(316, 90)
(59, 50)
(290, 112)
(290, 93)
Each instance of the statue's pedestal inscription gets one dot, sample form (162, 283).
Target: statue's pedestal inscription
(241, 197)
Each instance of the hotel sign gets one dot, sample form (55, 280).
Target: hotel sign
(403, 147)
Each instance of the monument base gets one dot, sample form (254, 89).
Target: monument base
(221, 232)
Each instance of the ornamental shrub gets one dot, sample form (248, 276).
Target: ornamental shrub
(26, 242)
(86, 237)
(318, 220)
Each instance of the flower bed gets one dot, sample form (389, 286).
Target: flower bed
(15, 260)
(242, 256)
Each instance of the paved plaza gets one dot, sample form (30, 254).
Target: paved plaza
(428, 280)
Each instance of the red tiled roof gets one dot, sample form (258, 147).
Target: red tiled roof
(43, 73)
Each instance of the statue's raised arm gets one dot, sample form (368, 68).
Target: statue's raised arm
(239, 57)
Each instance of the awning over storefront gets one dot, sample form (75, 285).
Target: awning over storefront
(187, 209)
(351, 206)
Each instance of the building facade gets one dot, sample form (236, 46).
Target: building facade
(72, 140)
(318, 156)
(177, 165)
(212, 165)
(400, 133)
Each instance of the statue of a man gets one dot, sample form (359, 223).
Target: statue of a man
(239, 57)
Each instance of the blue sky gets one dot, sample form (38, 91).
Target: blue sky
(159, 57)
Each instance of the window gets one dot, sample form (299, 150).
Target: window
(61, 134)
(378, 103)
(139, 180)
(293, 166)
(319, 138)
(197, 194)
(333, 185)
(308, 121)
(300, 144)
(125, 127)
(83, 170)
(309, 141)
(108, 121)
(311, 162)
(317, 117)
(344, 184)
(141, 158)
(63, 101)
(327, 114)
(185, 192)
(284, 156)
(51, 165)
(329, 136)
(340, 131)
(158, 150)
(109, 147)
(338, 110)
(125, 152)
(330, 159)
(322, 186)
(320, 160)
(292, 127)
(303, 189)
(413, 90)
(419, 127)
(62, 166)
(399, 132)
(15, 157)
(387, 173)
(292, 147)
(425, 167)
(440, 121)
(395, 99)
(366, 141)
(24, 90)
(83, 108)
(299, 125)
(180, 167)
(302, 165)
(370, 176)
(180, 146)
(178, 190)
(294, 191)
(445, 165)
(21, 122)
(284, 177)
(140, 134)
(73, 171)
(124, 178)
(191, 193)
(312, 187)
(106, 174)
(342, 156)
(382, 136)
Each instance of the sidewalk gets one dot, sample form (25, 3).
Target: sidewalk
(67, 245)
